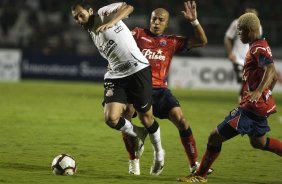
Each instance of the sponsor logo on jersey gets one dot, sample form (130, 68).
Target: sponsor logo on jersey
(153, 54)
(108, 47)
(123, 67)
(118, 29)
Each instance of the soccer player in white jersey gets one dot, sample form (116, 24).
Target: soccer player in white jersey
(236, 50)
(128, 79)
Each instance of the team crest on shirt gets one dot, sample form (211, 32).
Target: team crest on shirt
(163, 43)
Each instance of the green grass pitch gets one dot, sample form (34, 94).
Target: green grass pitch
(41, 119)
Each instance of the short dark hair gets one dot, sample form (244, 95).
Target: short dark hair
(85, 4)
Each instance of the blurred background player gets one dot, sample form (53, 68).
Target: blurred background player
(159, 50)
(257, 104)
(129, 78)
(236, 50)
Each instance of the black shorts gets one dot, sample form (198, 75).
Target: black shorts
(163, 102)
(135, 89)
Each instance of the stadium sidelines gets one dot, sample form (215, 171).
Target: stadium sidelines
(208, 73)
(186, 72)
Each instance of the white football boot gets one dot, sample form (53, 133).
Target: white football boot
(134, 167)
(196, 167)
(158, 166)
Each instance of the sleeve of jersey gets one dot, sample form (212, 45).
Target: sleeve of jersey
(135, 32)
(112, 8)
(232, 30)
(262, 55)
(180, 44)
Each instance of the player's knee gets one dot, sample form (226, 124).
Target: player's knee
(214, 138)
(111, 120)
(179, 120)
(129, 112)
(146, 119)
(257, 145)
(182, 124)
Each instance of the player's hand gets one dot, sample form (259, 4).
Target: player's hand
(190, 11)
(253, 96)
(104, 27)
(232, 57)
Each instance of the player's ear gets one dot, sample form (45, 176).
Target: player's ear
(166, 24)
(91, 11)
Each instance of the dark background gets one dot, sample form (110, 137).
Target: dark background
(46, 26)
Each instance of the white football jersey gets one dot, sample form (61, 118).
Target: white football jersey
(117, 45)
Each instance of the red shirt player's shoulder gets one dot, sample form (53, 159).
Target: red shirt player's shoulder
(137, 32)
(173, 37)
(260, 47)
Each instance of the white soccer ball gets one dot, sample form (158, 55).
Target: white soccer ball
(63, 164)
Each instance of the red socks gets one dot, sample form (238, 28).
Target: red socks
(274, 145)
(129, 145)
(211, 154)
(189, 145)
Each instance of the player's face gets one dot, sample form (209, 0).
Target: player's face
(83, 17)
(158, 23)
(243, 33)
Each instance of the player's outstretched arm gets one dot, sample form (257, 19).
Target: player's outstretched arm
(190, 14)
(122, 12)
(228, 47)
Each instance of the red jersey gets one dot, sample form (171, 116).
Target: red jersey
(257, 57)
(159, 50)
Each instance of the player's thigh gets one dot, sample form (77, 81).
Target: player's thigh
(228, 127)
(140, 91)
(215, 138)
(114, 91)
(258, 142)
(165, 105)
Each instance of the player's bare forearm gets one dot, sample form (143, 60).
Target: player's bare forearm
(273, 83)
(199, 39)
(121, 13)
(268, 77)
(124, 11)
(266, 81)
(228, 45)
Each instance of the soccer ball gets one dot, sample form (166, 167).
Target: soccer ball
(63, 164)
